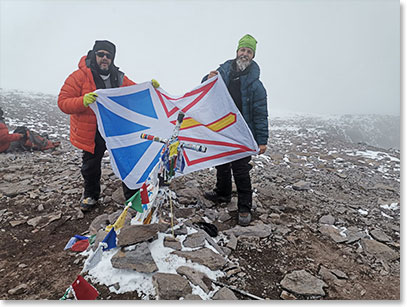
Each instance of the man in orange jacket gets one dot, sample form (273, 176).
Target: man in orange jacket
(96, 71)
(6, 138)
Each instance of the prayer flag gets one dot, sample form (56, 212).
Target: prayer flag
(83, 290)
(95, 258)
(110, 239)
(80, 246)
(73, 240)
(70, 243)
(135, 201)
(79, 237)
(119, 222)
(144, 194)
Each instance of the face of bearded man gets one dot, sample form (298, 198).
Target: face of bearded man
(102, 60)
(244, 58)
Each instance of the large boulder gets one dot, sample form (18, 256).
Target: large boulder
(139, 259)
(133, 234)
(171, 286)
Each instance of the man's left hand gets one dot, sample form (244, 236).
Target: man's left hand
(262, 149)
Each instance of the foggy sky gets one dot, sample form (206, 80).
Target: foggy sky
(315, 56)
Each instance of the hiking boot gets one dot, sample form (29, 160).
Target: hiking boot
(213, 196)
(244, 218)
(88, 204)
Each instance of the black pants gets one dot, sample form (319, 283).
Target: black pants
(241, 169)
(91, 170)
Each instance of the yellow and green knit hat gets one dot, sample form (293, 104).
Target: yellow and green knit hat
(247, 41)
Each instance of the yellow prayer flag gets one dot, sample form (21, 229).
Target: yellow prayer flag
(119, 222)
(174, 148)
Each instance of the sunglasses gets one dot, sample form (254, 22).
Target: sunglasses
(102, 54)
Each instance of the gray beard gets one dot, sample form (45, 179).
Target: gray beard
(242, 63)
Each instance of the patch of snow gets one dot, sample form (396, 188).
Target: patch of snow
(385, 215)
(376, 155)
(363, 212)
(343, 231)
(130, 280)
(392, 206)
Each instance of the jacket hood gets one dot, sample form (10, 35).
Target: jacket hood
(86, 62)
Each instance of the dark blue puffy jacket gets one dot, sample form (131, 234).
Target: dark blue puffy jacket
(254, 99)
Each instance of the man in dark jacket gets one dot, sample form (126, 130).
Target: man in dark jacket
(241, 76)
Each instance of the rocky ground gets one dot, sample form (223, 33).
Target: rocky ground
(326, 220)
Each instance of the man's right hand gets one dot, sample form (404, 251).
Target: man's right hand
(213, 73)
(89, 98)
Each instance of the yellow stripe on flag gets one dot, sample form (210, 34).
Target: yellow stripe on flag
(189, 122)
(222, 123)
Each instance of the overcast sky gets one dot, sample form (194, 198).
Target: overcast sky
(316, 56)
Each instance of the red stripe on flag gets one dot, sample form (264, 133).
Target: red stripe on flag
(188, 139)
(169, 113)
(217, 156)
(203, 90)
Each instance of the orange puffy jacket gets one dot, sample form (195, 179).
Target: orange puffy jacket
(6, 138)
(70, 101)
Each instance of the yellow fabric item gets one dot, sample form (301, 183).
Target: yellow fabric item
(155, 83)
(119, 222)
(174, 148)
(89, 98)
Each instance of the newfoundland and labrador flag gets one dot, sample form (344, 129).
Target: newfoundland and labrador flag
(211, 119)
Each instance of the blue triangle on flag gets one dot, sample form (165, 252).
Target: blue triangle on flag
(114, 124)
(139, 102)
(110, 239)
(127, 157)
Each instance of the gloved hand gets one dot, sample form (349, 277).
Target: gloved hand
(89, 98)
(155, 83)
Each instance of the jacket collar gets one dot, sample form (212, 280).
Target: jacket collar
(252, 75)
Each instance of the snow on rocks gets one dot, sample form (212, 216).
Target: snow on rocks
(204, 256)
(138, 259)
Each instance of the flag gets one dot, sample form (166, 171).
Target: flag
(135, 201)
(94, 258)
(70, 243)
(110, 239)
(92, 239)
(73, 240)
(80, 246)
(83, 290)
(144, 194)
(79, 237)
(119, 222)
(211, 119)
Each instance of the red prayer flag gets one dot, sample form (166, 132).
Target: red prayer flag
(83, 290)
(144, 194)
(80, 246)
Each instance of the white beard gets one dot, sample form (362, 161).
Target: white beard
(242, 62)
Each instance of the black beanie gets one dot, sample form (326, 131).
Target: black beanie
(105, 45)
